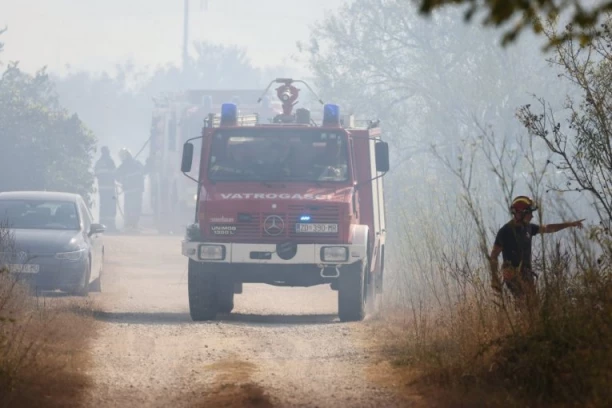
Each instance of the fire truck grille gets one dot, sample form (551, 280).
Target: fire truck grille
(275, 227)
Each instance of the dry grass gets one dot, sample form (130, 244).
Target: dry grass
(459, 345)
(43, 348)
(475, 350)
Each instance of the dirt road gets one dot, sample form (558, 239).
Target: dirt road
(280, 346)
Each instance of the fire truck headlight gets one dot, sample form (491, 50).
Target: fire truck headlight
(212, 252)
(334, 254)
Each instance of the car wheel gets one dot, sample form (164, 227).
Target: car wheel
(83, 288)
(96, 286)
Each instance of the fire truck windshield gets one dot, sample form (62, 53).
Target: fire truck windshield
(260, 154)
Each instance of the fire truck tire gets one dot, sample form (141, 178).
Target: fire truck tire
(202, 290)
(352, 292)
(225, 296)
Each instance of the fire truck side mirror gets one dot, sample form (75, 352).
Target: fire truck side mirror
(187, 157)
(382, 156)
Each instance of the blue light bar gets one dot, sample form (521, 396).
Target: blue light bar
(305, 218)
(331, 114)
(229, 114)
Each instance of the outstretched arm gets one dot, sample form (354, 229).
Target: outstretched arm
(550, 228)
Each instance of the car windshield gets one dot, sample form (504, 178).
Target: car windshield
(39, 214)
(279, 155)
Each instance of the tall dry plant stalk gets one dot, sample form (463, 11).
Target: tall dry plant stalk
(42, 345)
(459, 331)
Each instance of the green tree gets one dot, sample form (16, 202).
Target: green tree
(524, 14)
(582, 145)
(44, 147)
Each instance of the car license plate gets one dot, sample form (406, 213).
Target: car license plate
(316, 228)
(27, 268)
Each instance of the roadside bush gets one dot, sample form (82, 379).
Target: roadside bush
(44, 146)
(462, 345)
(43, 343)
(565, 354)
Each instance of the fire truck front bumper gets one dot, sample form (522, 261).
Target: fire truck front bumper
(242, 253)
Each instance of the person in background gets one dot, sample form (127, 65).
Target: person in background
(513, 241)
(130, 175)
(104, 170)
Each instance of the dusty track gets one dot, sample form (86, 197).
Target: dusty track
(280, 346)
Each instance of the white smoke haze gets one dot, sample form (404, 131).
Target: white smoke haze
(432, 82)
(453, 83)
(446, 94)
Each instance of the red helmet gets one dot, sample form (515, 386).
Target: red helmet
(522, 205)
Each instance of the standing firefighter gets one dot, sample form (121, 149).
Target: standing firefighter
(513, 241)
(131, 176)
(104, 171)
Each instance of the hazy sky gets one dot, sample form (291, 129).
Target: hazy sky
(96, 34)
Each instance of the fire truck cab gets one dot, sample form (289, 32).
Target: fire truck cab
(288, 203)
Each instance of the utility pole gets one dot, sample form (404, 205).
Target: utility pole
(185, 34)
(204, 6)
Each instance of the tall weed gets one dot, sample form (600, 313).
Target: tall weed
(43, 343)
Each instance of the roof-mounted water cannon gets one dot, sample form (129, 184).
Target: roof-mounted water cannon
(288, 94)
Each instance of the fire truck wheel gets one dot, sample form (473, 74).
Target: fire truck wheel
(352, 291)
(225, 296)
(202, 290)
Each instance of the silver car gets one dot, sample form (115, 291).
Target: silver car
(52, 242)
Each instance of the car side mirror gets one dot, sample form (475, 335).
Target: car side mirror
(381, 151)
(187, 157)
(96, 229)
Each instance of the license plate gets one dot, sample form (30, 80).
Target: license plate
(317, 228)
(27, 268)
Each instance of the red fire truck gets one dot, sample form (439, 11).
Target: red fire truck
(178, 116)
(289, 203)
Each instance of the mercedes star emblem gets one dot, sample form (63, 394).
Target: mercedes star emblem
(274, 225)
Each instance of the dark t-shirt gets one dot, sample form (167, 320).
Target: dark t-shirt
(515, 240)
